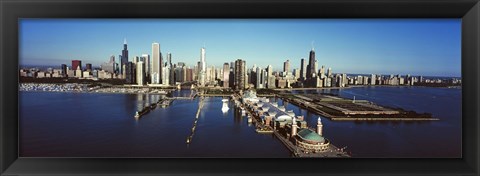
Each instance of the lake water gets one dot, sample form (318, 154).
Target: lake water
(54, 124)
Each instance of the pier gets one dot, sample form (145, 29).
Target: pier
(336, 108)
(200, 106)
(256, 108)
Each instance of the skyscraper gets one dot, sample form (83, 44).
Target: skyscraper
(303, 69)
(148, 66)
(88, 67)
(311, 64)
(286, 67)
(124, 58)
(64, 70)
(76, 64)
(140, 73)
(240, 74)
(260, 78)
(226, 72)
(130, 73)
(156, 64)
(203, 68)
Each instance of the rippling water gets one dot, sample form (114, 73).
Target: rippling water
(102, 125)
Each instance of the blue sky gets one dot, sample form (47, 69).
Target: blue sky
(430, 47)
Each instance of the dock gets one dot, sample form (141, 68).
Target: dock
(262, 128)
(336, 108)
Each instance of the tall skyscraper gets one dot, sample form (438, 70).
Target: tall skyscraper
(303, 69)
(311, 63)
(226, 72)
(124, 58)
(76, 64)
(240, 74)
(203, 68)
(260, 78)
(140, 73)
(156, 63)
(322, 72)
(130, 73)
(171, 79)
(148, 66)
(286, 67)
(64, 70)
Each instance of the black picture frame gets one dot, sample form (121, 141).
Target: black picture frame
(11, 11)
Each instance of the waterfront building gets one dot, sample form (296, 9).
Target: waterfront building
(329, 72)
(240, 67)
(303, 69)
(124, 56)
(156, 64)
(140, 73)
(372, 79)
(130, 73)
(148, 66)
(166, 75)
(226, 73)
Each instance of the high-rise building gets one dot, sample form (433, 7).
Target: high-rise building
(124, 56)
(270, 77)
(286, 66)
(64, 70)
(322, 72)
(109, 66)
(202, 68)
(156, 64)
(240, 74)
(311, 64)
(140, 73)
(189, 74)
(303, 69)
(76, 64)
(148, 66)
(296, 73)
(260, 83)
(226, 74)
(88, 67)
(166, 75)
(373, 79)
(130, 73)
(329, 72)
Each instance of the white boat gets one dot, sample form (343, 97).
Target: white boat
(225, 107)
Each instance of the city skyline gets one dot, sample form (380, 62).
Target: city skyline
(418, 47)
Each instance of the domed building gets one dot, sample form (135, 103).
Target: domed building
(310, 141)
